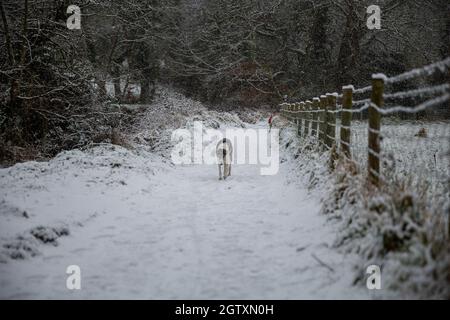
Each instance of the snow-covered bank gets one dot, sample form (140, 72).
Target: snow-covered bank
(183, 234)
(399, 227)
(42, 201)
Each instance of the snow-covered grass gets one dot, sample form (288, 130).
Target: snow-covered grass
(401, 227)
(172, 110)
(140, 227)
(24, 230)
(42, 201)
(414, 151)
(407, 146)
(183, 234)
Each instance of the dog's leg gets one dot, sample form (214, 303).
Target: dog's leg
(220, 172)
(226, 171)
(231, 161)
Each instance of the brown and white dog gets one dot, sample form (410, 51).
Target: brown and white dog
(224, 152)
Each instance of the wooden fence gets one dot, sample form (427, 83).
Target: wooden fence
(318, 118)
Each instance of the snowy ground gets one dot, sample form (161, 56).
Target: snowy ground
(141, 228)
(428, 156)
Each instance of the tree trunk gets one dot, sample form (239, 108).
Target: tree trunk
(101, 83)
(148, 84)
(7, 35)
(145, 91)
(349, 52)
(116, 80)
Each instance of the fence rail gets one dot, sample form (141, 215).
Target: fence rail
(317, 119)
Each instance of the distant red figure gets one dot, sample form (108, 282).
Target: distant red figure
(271, 122)
(130, 95)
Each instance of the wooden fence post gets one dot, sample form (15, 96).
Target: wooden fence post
(293, 112)
(294, 115)
(322, 119)
(306, 114)
(299, 118)
(374, 129)
(330, 132)
(309, 108)
(290, 111)
(311, 116)
(316, 106)
(346, 120)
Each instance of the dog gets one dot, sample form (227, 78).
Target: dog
(224, 152)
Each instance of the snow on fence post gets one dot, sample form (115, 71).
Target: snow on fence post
(316, 106)
(322, 119)
(374, 129)
(346, 120)
(306, 113)
(330, 132)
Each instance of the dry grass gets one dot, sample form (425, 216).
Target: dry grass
(423, 133)
(401, 226)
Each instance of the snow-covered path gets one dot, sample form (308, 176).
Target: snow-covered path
(182, 234)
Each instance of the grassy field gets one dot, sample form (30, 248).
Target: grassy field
(416, 151)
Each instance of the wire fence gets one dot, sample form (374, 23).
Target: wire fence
(397, 127)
